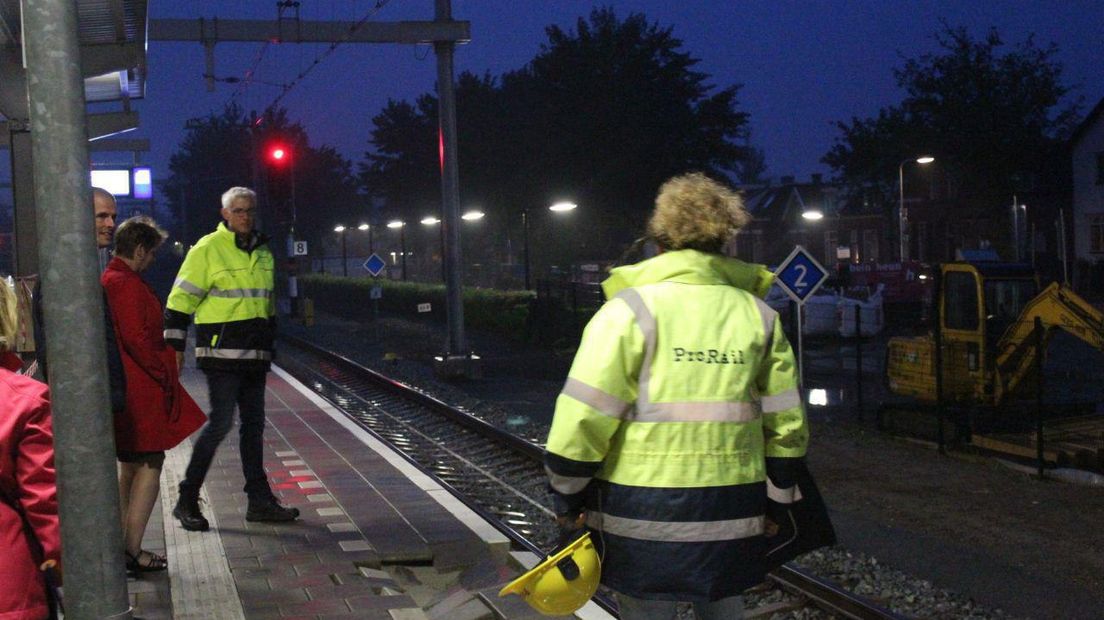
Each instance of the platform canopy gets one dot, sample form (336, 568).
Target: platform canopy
(113, 62)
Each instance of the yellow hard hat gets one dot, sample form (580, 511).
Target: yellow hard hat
(563, 582)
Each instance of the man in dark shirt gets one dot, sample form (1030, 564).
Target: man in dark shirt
(105, 211)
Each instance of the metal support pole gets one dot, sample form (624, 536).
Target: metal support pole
(402, 248)
(902, 219)
(938, 363)
(450, 190)
(858, 360)
(525, 244)
(1040, 353)
(1062, 244)
(800, 352)
(95, 580)
(344, 260)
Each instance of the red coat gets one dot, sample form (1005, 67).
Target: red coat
(26, 477)
(159, 413)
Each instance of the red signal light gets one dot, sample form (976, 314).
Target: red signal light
(277, 154)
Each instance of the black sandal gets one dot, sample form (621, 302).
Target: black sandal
(152, 564)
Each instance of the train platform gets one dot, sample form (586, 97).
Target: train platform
(376, 537)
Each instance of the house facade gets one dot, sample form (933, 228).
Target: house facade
(786, 214)
(1087, 152)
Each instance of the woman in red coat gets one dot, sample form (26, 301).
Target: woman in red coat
(28, 491)
(159, 414)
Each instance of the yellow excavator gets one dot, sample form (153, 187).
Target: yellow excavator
(987, 317)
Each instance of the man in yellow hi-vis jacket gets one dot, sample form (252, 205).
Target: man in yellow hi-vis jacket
(680, 416)
(226, 284)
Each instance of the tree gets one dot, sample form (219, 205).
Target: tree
(994, 118)
(602, 115)
(228, 149)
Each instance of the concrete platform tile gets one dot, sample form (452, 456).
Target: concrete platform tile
(312, 608)
(302, 581)
(355, 545)
(367, 602)
(246, 562)
(329, 568)
(412, 613)
(354, 587)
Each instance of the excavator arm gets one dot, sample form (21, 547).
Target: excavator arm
(1057, 307)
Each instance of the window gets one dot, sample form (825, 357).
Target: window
(830, 247)
(870, 245)
(960, 301)
(1100, 168)
(922, 241)
(1096, 234)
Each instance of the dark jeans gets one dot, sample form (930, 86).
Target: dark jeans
(226, 389)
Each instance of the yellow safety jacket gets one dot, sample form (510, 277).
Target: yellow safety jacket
(681, 400)
(226, 283)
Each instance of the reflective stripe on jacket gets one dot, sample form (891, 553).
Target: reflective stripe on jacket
(679, 410)
(228, 288)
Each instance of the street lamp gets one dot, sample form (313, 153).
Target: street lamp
(340, 229)
(401, 225)
(472, 216)
(902, 216)
(559, 207)
(371, 246)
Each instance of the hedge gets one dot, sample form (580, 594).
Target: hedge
(501, 312)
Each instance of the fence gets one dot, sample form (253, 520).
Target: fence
(561, 310)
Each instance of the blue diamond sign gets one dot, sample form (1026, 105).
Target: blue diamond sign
(800, 275)
(374, 264)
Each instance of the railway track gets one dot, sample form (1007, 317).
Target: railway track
(496, 473)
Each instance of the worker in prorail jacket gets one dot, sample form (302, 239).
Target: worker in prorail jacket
(680, 416)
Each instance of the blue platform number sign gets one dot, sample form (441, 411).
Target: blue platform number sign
(374, 264)
(800, 275)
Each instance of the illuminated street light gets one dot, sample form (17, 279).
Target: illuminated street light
(813, 214)
(363, 227)
(340, 229)
(558, 207)
(401, 225)
(429, 220)
(472, 216)
(902, 215)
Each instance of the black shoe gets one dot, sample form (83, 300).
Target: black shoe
(270, 510)
(191, 519)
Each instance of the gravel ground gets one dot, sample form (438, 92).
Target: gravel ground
(930, 536)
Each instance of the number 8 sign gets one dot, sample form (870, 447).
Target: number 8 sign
(800, 275)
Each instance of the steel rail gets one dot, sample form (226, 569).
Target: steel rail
(515, 443)
(829, 596)
(790, 577)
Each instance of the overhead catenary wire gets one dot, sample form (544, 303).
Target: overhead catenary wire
(325, 54)
(247, 79)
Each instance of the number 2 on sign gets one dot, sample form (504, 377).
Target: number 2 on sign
(802, 272)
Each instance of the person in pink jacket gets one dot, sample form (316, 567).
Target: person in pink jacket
(30, 538)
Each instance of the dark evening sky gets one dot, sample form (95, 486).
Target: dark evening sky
(803, 64)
